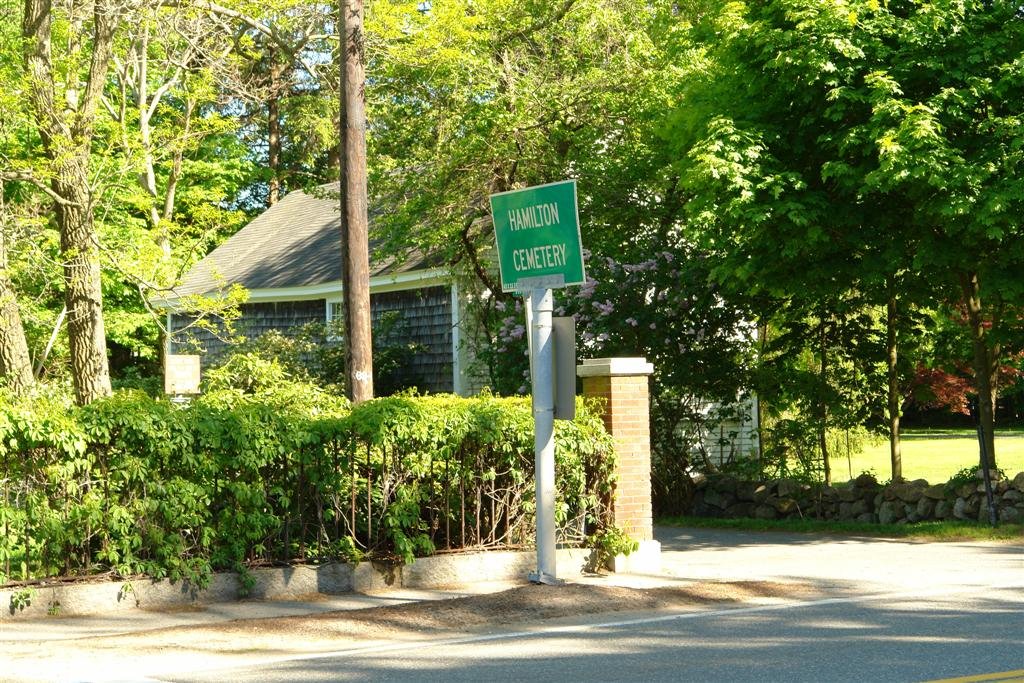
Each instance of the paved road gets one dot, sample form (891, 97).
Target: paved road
(886, 611)
(911, 640)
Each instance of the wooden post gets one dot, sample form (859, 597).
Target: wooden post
(355, 267)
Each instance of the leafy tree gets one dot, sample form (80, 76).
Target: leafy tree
(471, 98)
(64, 88)
(837, 152)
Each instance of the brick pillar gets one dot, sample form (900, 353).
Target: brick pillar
(622, 383)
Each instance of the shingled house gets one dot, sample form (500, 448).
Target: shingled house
(289, 260)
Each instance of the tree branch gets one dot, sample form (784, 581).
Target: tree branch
(539, 24)
(27, 177)
(268, 30)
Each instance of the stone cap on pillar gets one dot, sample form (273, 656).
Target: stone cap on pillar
(614, 367)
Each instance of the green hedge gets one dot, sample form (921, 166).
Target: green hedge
(135, 485)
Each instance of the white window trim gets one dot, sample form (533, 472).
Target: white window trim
(329, 317)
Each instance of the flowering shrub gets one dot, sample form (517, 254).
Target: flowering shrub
(664, 309)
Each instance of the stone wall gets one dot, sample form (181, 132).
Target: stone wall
(860, 500)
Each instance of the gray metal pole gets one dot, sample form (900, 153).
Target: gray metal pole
(544, 438)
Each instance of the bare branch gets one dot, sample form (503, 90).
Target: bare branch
(291, 49)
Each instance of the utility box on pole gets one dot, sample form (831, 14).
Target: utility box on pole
(564, 332)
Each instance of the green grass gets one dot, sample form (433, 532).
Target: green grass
(933, 454)
(921, 531)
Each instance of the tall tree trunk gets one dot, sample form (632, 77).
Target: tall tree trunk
(894, 402)
(354, 216)
(83, 296)
(984, 362)
(823, 405)
(67, 139)
(274, 130)
(15, 363)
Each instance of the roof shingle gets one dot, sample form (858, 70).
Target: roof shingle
(295, 243)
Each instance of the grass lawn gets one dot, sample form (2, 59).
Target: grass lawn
(933, 454)
(955, 530)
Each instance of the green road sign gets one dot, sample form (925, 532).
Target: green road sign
(538, 235)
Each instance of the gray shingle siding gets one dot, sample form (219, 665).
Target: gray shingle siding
(426, 315)
(255, 320)
(425, 321)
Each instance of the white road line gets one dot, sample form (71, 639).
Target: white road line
(582, 628)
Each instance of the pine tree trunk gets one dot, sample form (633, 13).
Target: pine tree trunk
(983, 362)
(15, 362)
(895, 457)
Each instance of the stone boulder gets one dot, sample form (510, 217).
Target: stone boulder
(726, 484)
(742, 509)
(859, 507)
(1010, 515)
(765, 512)
(1018, 482)
(745, 491)
(787, 488)
(966, 490)
(908, 491)
(937, 492)
(889, 512)
(925, 508)
(847, 494)
(965, 508)
(786, 506)
(717, 499)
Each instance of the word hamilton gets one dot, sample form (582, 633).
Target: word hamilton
(538, 216)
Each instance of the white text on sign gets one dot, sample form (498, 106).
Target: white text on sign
(538, 216)
(547, 256)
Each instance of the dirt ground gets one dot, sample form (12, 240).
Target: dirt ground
(524, 605)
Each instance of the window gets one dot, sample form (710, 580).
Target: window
(335, 320)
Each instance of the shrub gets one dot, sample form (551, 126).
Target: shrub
(260, 470)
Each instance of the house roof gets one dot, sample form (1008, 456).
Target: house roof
(295, 243)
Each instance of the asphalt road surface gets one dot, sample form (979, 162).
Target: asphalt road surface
(886, 611)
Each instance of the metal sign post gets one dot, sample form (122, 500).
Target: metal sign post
(539, 247)
(540, 304)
